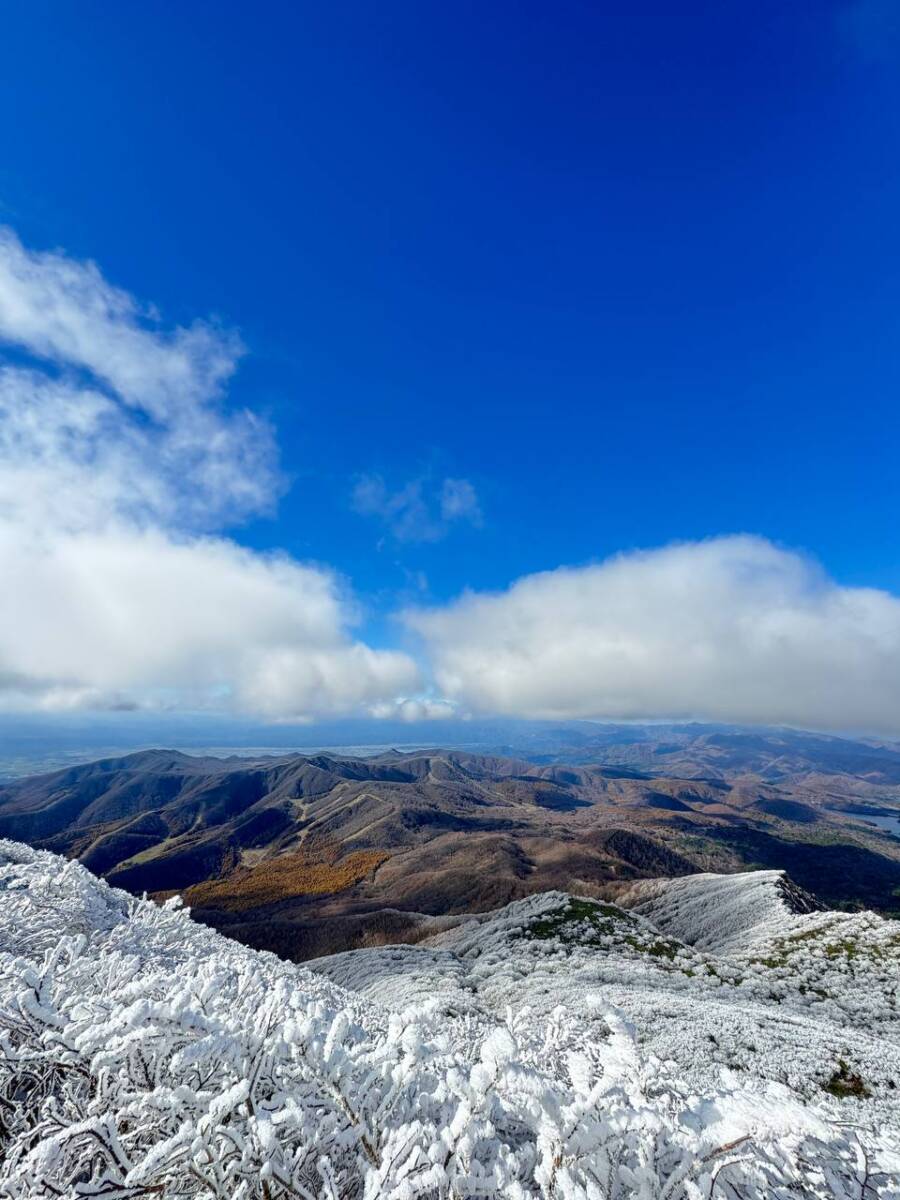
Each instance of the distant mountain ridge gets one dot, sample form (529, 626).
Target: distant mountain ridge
(307, 854)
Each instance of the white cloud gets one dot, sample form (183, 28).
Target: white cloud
(459, 501)
(65, 311)
(418, 511)
(733, 629)
(150, 420)
(117, 451)
(416, 708)
(95, 616)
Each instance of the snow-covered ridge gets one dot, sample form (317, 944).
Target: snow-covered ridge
(790, 1006)
(720, 913)
(144, 1055)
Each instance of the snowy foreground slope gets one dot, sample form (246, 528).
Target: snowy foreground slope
(519, 1054)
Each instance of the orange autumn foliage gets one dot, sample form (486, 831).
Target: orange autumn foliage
(289, 876)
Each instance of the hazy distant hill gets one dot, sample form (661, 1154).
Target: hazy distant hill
(772, 756)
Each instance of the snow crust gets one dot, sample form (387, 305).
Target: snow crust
(556, 1048)
(788, 1000)
(720, 913)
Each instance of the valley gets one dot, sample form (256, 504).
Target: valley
(312, 854)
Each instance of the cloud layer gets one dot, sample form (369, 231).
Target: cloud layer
(119, 458)
(732, 629)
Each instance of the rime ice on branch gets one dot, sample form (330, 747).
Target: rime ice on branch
(143, 1055)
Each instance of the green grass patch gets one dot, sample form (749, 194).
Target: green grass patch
(845, 1083)
(568, 923)
(590, 923)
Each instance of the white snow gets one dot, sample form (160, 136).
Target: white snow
(553, 1049)
(714, 912)
(791, 1002)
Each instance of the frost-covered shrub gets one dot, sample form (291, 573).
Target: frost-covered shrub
(142, 1055)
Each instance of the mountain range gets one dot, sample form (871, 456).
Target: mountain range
(310, 854)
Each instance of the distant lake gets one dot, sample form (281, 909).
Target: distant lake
(890, 824)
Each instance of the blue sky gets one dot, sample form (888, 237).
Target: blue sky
(622, 274)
